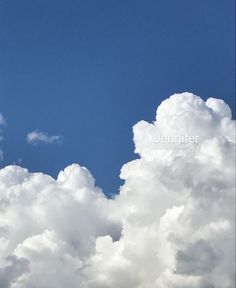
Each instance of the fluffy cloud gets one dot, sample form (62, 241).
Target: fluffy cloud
(171, 225)
(36, 137)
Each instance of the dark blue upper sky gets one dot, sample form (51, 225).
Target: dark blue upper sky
(89, 70)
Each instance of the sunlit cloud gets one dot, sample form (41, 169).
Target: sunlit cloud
(172, 224)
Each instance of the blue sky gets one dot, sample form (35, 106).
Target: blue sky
(89, 70)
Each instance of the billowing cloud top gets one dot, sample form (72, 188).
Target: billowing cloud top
(171, 226)
(36, 137)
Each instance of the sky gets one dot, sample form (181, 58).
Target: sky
(86, 71)
(101, 84)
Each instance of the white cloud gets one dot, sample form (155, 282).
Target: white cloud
(171, 226)
(36, 137)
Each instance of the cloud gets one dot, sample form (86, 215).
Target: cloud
(198, 259)
(2, 120)
(171, 226)
(36, 137)
(2, 123)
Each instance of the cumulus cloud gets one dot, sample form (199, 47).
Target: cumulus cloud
(36, 137)
(171, 225)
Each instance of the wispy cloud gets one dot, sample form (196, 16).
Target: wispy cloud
(36, 137)
(2, 123)
(2, 119)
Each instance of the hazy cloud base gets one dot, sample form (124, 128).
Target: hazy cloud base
(171, 226)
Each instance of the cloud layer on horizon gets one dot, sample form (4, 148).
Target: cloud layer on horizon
(171, 225)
